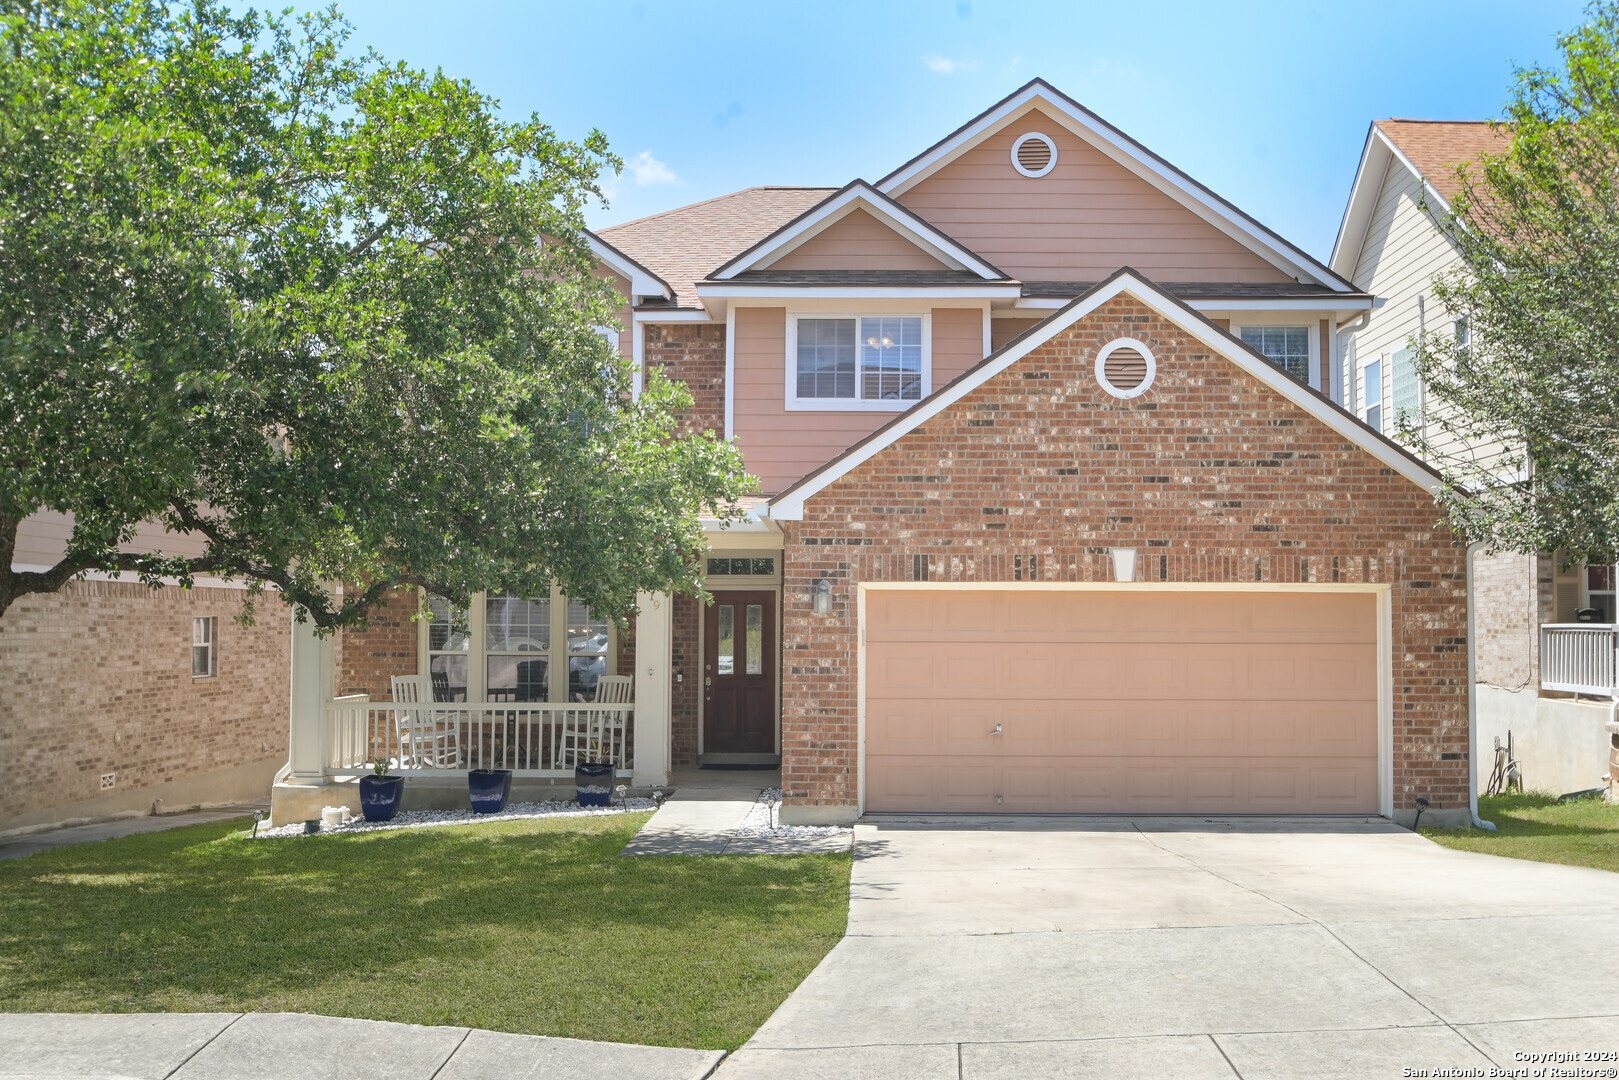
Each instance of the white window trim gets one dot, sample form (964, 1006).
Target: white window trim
(1362, 404)
(212, 645)
(477, 655)
(1312, 335)
(794, 403)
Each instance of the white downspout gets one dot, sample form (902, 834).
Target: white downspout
(1472, 701)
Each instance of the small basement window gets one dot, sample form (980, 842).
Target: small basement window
(1126, 368)
(1034, 155)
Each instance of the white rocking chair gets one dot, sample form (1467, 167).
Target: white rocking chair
(601, 731)
(428, 738)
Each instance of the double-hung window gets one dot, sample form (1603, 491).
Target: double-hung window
(1288, 347)
(1371, 393)
(877, 360)
(204, 657)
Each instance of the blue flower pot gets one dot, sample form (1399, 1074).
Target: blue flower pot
(488, 790)
(380, 795)
(593, 782)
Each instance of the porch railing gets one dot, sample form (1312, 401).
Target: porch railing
(531, 739)
(1579, 658)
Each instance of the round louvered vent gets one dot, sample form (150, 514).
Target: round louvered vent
(1034, 154)
(1125, 368)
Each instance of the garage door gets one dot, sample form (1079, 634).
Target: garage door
(1132, 701)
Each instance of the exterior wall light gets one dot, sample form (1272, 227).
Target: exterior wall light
(1124, 564)
(822, 595)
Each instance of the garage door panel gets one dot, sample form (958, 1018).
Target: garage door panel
(1123, 702)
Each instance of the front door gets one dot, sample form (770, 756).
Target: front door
(739, 674)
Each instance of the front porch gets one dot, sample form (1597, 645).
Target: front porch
(334, 740)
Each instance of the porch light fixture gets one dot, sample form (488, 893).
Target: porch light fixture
(822, 596)
(1124, 564)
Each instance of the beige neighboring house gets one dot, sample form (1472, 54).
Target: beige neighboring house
(1540, 675)
(117, 699)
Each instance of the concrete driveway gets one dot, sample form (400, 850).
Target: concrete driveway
(1195, 948)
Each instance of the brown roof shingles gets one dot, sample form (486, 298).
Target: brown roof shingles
(683, 245)
(1436, 147)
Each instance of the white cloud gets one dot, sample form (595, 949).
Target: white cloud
(647, 170)
(943, 65)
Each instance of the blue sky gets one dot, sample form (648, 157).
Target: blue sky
(1267, 103)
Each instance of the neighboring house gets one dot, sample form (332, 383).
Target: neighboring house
(1056, 516)
(117, 699)
(1392, 243)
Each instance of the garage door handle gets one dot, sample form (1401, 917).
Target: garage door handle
(997, 730)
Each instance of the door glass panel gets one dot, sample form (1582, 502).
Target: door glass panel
(725, 662)
(756, 639)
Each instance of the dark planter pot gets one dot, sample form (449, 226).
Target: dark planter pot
(488, 790)
(593, 781)
(380, 795)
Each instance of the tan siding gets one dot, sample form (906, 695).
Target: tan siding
(1402, 254)
(1085, 219)
(42, 538)
(626, 317)
(858, 241)
(1003, 330)
(781, 446)
(958, 342)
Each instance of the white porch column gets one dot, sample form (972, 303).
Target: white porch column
(313, 678)
(653, 643)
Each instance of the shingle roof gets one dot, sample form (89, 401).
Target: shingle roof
(683, 245)
(1436, 147)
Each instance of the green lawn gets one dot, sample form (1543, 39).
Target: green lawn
(526, 926)
(1580, 832)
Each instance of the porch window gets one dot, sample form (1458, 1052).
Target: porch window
(871, 359)
(1288, 347)
(1599, 582)
(513, 648)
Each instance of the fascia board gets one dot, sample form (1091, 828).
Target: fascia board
(863, 292)
(1126, 153)
(791, 506)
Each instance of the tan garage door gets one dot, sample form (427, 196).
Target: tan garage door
(1135, 701)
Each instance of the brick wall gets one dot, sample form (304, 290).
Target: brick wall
(97, 679)
(1211, 475)
(693, 353)
(685, 648)
(1507, 601)
(368, 659)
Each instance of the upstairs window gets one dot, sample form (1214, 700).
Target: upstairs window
(1288, 347)
(875, 359)
(1371, 381)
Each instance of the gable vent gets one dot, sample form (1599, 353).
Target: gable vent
(1125, 368)
(1034, 154)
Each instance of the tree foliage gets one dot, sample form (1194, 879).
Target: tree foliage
(1537, 226)
(332, 315)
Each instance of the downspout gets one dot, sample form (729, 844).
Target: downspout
(1472, 702)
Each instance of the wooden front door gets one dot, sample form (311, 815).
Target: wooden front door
(739, 674)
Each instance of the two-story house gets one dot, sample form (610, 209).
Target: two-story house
(1056, 512)
(1393, 243)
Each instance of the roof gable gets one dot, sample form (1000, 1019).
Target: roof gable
(861, 197)
(1038, 95)
(856, 241)
(789, 505)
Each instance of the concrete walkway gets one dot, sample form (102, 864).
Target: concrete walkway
(1194, 948)
(291, 1046)
(32, 843)
(705, 811)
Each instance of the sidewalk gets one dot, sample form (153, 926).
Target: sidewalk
(32, 843)
(706, 812)
(293, 1046)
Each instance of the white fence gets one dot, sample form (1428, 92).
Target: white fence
(531, 739)
(1578, 658)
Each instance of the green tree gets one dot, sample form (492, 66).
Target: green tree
(1537, 226)
(332, 315)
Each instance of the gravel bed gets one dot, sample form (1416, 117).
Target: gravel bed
(764, 820)
(418, 819)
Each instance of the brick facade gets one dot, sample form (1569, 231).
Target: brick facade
(1512, 596)
(693, 353)
(97, 680)
(1212, 476)
(685, 650)
(368, 659)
